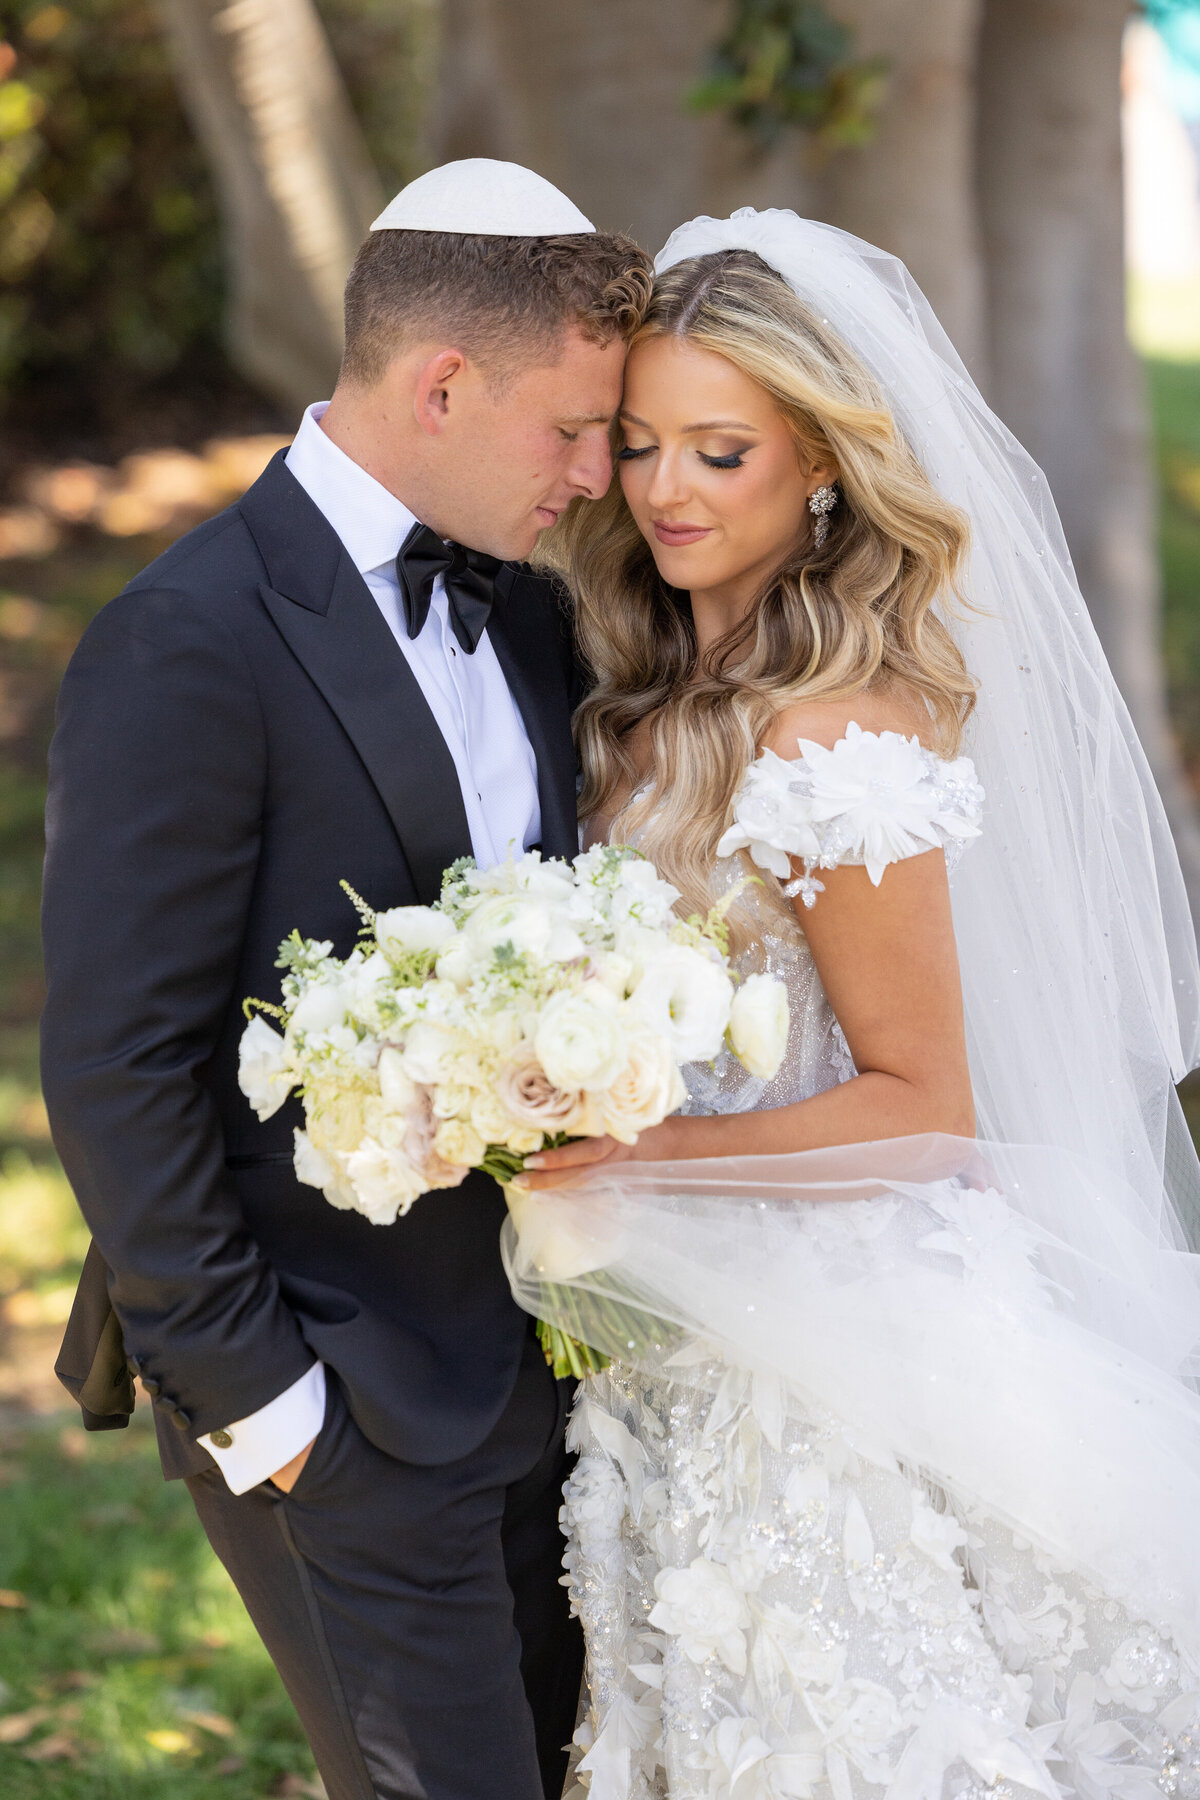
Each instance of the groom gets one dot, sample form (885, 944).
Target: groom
(346, 676)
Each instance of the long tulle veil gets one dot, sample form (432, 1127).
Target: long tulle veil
(1082, 1002)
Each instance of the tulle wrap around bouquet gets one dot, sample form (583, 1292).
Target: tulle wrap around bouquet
(534, 1002)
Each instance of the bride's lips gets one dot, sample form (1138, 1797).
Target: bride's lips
(679, 534)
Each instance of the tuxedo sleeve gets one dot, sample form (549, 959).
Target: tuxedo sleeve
(157, 777)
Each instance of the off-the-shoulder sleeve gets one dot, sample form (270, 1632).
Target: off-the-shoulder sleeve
(873, 799)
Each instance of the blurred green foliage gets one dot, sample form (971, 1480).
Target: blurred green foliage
(110, 257)
(784, 63)
(1175, 406)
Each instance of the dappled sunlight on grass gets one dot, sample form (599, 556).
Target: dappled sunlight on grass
(128, 1667)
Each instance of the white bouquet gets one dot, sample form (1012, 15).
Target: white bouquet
(532, 1003)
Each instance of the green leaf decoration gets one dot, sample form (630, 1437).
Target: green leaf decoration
(787, 64)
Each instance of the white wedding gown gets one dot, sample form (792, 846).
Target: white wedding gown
(777, 1606)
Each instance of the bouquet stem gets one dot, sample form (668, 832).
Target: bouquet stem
(566, 1355)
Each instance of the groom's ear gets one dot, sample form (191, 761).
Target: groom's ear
(438, 380)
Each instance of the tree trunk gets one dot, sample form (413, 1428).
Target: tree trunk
(1063, 375)
(911, 189)
(592, 96)
(294, 181)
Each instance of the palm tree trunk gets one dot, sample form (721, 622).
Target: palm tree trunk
(1063, 375)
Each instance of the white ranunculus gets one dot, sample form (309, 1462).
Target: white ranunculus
(580, 1041)
(407, 930)
(686, 996)
(758, 1025)
(532, 927)
(701, 1607)
(322, 1006)
(648, 1088)
(263, 1072)
(385, 1182)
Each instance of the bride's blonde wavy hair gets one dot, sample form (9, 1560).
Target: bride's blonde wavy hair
(828, 624)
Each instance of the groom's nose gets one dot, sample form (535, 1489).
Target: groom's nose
(590, 469)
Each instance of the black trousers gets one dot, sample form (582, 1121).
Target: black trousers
(416, 1614)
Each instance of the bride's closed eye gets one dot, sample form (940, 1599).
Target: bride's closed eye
(628, 453)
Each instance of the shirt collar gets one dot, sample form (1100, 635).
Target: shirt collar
(369, 520)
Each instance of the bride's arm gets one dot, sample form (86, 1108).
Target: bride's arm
(887, 959)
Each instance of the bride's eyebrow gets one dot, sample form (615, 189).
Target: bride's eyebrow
(705, 425)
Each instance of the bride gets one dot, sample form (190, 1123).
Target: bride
(898, 1494)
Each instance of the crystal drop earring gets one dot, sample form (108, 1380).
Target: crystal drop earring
(820, 504)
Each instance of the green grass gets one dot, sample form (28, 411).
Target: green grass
(131, 1651)
(128, 1668)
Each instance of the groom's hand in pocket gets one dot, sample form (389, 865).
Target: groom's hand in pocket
(286, 1478)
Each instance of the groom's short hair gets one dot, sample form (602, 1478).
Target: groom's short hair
(506, 301)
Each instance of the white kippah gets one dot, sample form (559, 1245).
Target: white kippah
(478, 195)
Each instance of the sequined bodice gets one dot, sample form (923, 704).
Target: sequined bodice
(817, 1055)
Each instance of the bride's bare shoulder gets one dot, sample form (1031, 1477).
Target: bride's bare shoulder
(827, 721)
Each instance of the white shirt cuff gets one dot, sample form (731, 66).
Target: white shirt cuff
(251, 1450)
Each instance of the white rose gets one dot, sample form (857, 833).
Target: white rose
(263, 1072)
(526, 1092)
(459, 1143)
(758, 1025)
(579, 1040)
(385, 1181)
(701, 1607)
(685, 996)
(409, 930)
(647, 1089)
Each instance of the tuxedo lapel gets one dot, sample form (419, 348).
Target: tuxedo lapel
(529, 655)
(329, 618)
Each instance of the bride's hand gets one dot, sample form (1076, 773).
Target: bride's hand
(549, 1168)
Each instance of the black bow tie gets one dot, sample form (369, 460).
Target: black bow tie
(468, 575)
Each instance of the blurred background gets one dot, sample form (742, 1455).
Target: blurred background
(182, 188)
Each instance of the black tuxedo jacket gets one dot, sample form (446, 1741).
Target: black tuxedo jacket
(237, 733)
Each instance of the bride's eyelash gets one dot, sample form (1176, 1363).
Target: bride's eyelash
(628, 454)
(732, 461)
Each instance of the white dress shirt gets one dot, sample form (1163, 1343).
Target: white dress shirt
(497, 773)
